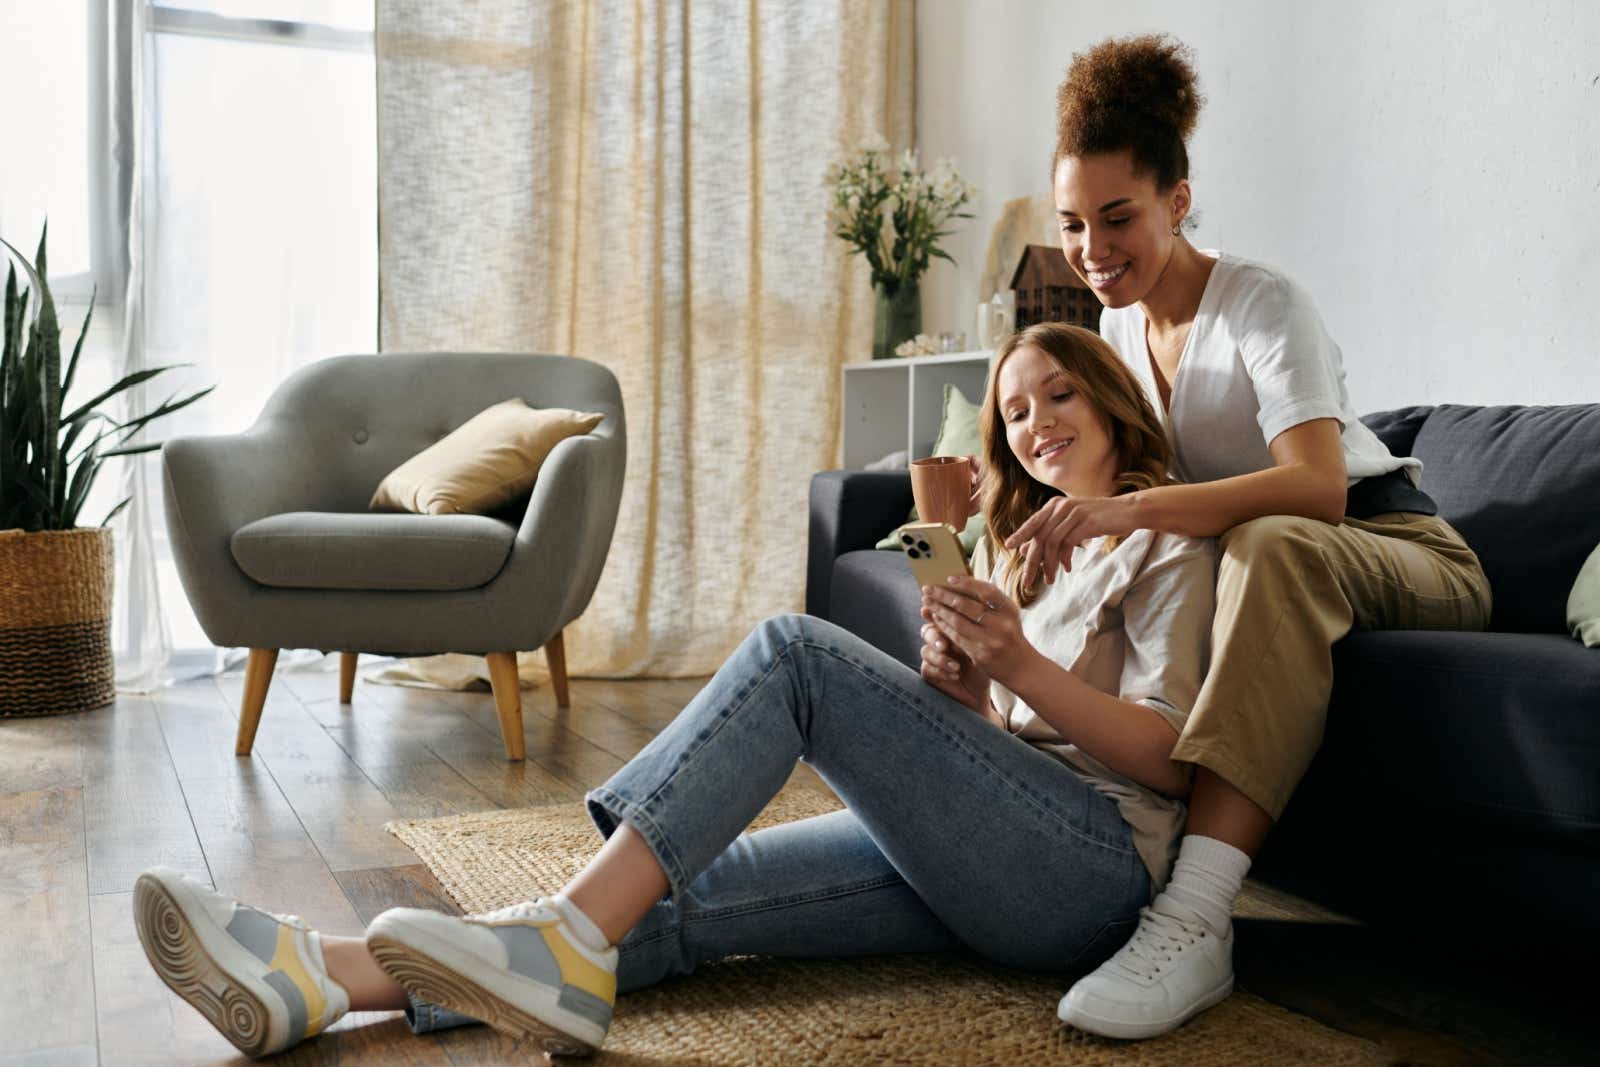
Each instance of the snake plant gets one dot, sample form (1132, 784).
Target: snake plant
(49, 460)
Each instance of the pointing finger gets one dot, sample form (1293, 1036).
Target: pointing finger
(1025, 531)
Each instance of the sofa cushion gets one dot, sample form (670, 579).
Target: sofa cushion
(1504, 724)
(874, 595)
(1522, 484)
(336, 550)
(1397, 429)
(848, 510)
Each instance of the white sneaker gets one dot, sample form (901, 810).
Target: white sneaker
(519, 969)
(1172, 969)
(258, 978)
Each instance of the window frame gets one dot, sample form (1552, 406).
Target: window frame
(296, 33)
(107, 275)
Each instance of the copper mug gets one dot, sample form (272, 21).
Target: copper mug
(941, 486)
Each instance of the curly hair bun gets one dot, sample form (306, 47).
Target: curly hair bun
(1133, 92)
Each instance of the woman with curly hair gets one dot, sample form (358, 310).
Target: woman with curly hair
(1321, 528)
(1014, 795)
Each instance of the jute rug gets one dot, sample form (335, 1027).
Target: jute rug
(935, 1008)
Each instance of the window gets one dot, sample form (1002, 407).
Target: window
(258, 166)
(260, 213)
(260, 183)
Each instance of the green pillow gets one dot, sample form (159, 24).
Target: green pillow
(1583, 606)
(958, 436)
(958, 426)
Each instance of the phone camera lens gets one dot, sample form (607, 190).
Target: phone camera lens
(905, 538)
(924, 546)
(913, 553)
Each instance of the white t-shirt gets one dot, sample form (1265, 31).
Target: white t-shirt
(1257, 362)
(1134, 621)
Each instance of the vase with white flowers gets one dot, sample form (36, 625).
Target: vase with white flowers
(894, 213)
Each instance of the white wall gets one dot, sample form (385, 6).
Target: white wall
(1429, 171)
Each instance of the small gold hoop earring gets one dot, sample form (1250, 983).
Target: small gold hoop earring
(1175, 231)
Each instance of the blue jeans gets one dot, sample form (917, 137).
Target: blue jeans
(956, 833)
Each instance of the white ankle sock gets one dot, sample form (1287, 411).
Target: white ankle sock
(1207, 877)
(581, 924)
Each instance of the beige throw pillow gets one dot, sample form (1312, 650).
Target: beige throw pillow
(1583, 604)
(491, 459)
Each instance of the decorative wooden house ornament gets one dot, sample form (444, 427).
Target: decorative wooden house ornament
(1048, 290)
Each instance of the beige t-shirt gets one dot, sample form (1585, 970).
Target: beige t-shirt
(1135, 622)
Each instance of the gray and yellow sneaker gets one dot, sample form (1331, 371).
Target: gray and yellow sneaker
(520, 969)
(258, 978)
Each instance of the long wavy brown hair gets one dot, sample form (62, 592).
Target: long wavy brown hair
(1009, 493)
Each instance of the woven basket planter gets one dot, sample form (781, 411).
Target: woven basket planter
(55, 621)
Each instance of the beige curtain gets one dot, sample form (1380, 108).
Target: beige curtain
(642, 184)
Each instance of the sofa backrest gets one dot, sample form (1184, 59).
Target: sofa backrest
(1522, 484)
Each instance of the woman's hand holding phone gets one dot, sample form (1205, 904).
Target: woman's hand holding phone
(972, 627)
(979, 624)
(951, 671)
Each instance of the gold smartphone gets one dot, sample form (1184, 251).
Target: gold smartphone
(933, 551)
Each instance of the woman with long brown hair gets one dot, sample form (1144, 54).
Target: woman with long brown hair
(1015, 795)
(1321, 528)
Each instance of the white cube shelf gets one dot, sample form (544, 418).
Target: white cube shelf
(893, 404)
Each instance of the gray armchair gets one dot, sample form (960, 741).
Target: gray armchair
(276, 548)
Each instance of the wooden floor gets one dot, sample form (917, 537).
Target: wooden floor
(87, 801)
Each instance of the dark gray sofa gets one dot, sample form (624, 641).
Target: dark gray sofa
(1459, 777)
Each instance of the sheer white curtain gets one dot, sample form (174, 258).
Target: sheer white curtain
(141, 639)
(79, 65)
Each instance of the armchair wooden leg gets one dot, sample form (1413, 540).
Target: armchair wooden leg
(257, 677)
(507, 688)
(347, 675)
(555, 654)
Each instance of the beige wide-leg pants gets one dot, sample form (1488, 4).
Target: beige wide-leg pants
(1287, 589)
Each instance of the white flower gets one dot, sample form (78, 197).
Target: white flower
(871, 189)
